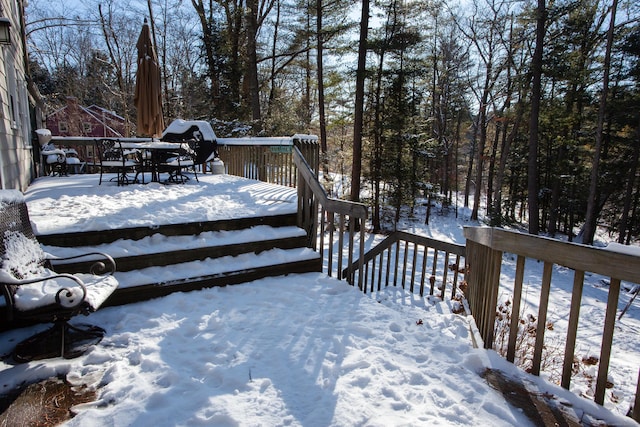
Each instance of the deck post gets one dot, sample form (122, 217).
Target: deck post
(482, 286)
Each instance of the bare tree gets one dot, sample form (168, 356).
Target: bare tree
(484, 32)
(120, 42)
(322, 118)
(589, 229)
(252, 93)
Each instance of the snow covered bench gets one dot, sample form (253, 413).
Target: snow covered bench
(34, 292)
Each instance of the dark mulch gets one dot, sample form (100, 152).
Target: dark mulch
(46, 403)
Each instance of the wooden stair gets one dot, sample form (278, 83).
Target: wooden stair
(274, 242)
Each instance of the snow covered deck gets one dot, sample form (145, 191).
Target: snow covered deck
(166, 238)
(77, 203)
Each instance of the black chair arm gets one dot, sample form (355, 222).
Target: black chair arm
(65, 297)
(101, 267)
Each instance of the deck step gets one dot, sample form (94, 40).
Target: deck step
(94, 238)
(158, 281)
(129, 292)
(133, 255)
(212, 258)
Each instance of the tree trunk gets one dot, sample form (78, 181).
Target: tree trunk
(306, 101)
(536, 64)
(356, 168)
(251, 72)
(472, 156)
(482, 125)
(628, 196)
(274, 50)
(376, 160)
(206, 24)
(634, 214)
(106, 30)
(321, 112)
(504, 155)
(554, 207)
(493, 211)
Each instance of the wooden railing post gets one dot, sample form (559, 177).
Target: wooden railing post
(301, 190)
(483, 280)
(636, 405)
(607, 340)
(572, 329)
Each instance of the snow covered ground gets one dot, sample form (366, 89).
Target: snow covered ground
(300, 350)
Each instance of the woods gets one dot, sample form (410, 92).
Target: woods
(531, 110)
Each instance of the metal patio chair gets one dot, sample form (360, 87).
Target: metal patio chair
(35, 293)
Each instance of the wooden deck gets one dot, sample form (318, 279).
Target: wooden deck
(192, 256)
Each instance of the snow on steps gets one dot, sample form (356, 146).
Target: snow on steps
(157, 265)
(159, 249)
(212, 272)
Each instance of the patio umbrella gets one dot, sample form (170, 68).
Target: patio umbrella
(148, 94)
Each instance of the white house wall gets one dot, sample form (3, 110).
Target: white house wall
(16, 158)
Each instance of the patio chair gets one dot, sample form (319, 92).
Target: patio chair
(74, 164)
(145, 165)
(54, 159)
(178, 161)
(205, 151)
(113, 157)
(35, 293)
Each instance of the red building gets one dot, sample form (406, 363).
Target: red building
(76, 120)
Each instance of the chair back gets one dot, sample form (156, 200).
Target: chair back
(21, 256)
(108, 150)
(199, 136)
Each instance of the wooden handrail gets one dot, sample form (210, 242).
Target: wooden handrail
(403, 236)
(485, 248)
(415, 270)
(338, 206)
(572, 255)
(317, 213)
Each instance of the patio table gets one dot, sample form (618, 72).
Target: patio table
(156, 149)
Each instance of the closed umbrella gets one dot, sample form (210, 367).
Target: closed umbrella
(148, 94)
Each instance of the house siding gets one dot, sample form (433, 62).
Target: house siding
(16, 151)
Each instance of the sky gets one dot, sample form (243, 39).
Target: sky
(296, 350)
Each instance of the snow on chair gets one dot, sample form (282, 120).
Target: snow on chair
(175, 162)
(34, 292)
(55, 160)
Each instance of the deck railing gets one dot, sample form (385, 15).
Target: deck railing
(331, 224)
(263, 158)
(413, 262)
(268, 159)
(485, 249)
